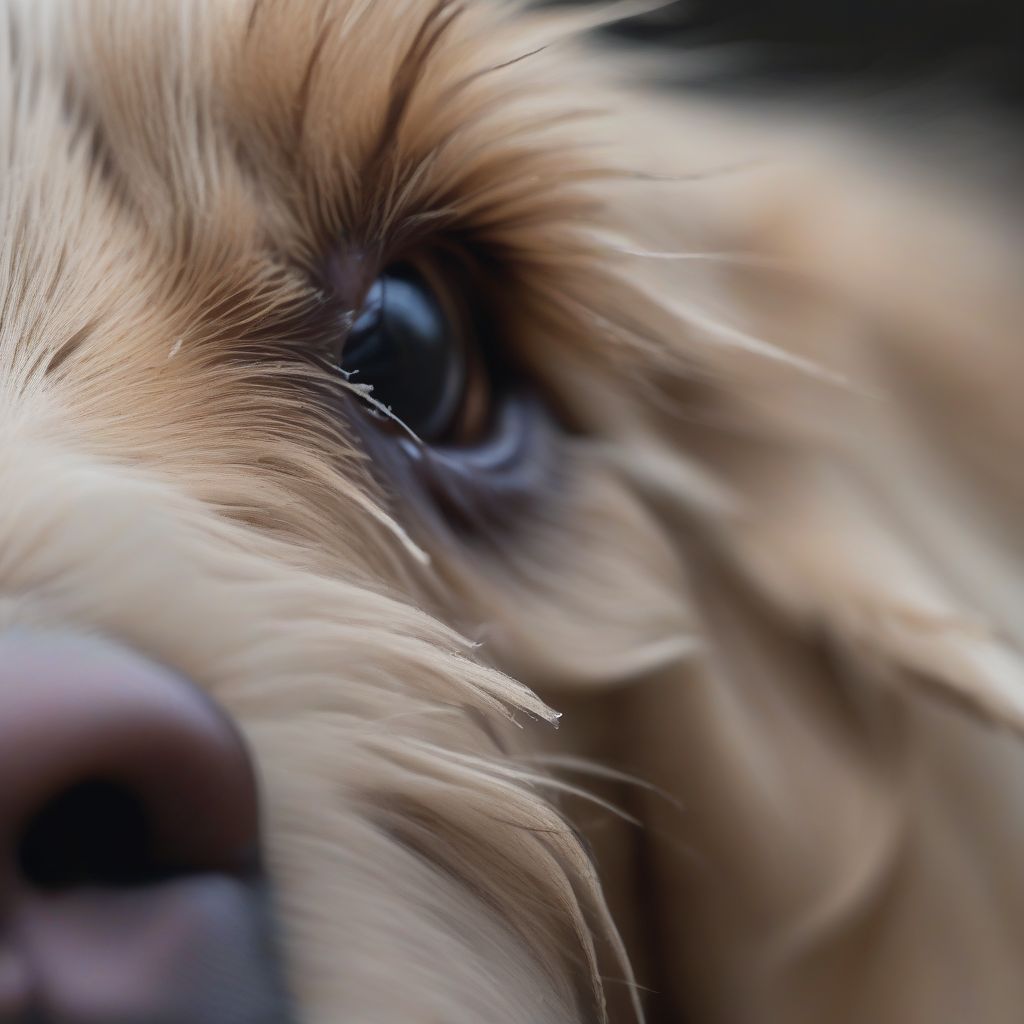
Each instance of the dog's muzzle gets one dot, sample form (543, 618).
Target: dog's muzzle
(130, 889)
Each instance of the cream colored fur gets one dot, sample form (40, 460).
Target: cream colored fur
(779, 581)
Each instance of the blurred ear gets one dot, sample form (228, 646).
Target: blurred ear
(834, 436)
(848, 334)
(894, 522)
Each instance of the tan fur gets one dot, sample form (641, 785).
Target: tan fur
(785, 520)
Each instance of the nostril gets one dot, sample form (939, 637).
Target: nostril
(96, 833)
(131, 886)
(115, 771)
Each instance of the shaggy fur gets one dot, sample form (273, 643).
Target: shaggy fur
(782, 519)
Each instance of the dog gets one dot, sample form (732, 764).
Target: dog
(486, 540)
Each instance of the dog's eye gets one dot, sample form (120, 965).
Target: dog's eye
(413, 345)
(430, 339)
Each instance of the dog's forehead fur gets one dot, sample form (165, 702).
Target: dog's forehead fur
(172, 177)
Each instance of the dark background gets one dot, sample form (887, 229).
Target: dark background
(975, 47)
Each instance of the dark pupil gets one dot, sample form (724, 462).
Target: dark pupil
(404, 346)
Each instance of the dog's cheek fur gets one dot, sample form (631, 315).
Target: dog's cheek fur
(405, 894)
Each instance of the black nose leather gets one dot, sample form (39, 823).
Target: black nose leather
(128, 820)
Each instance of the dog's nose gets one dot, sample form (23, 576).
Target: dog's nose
(128, 831)
(114, 771)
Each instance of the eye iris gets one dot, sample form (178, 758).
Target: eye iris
(404, 345)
